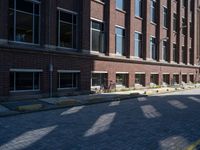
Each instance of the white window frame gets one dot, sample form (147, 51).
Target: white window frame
(26, 71)
(66, 71)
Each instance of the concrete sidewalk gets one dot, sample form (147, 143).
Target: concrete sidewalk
(19, 107)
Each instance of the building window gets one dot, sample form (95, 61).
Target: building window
(119, 40)
(184, 3)
(165, 53)
(99, 79)
(184, 78)
(153, 11)
(67, 29)
(166, 79)
(191, 29)
(191, 78)
(68, 80)
(120, 4)
(140, 79)
(24, 21)
(175, 79)
(154, 79)
(121, 79)
(184, 27)
(24, 81)
(138, 8)
(153, 49)
(97, 36)
(138, 45)
(175, 53)
(191, 55)
(175, 25)
(165, 16)
(184, 55)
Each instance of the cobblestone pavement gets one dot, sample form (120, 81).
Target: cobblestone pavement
(164, 122)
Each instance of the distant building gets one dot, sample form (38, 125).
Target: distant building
(61, 47)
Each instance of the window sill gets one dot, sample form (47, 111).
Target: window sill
(139, 18)
(22, 43)
(120, 10)
(153, 23)
(24, 91)
(100, 2)
(61, 89)
(165, 28)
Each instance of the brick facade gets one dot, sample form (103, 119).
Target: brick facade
(26, 56)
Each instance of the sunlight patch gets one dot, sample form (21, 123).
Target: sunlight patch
(194, 99)
(174, 142)
(101, 125)
(150, 112)
(115, 103)
(72, 110)
(27, 139)
(177, 104)
(142, 99)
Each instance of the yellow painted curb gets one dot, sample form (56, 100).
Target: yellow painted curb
(69, 102)
(29, 107)
(194, 145)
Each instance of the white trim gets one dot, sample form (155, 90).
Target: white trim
(176, 74)
(184, 73)
(26, 70)
(138, 32)
(152, 73)
(140, 73)
(99, 71)
(166, 73)
(122, 72)
(118, 26)
(66, 10)
(68, 71)
(95, 19)
(191, 73)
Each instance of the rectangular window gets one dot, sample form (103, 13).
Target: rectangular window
(140, 79)
(191, 78)
(138, 45)
(119, 40)
(119, 4)
(24, 81)
(138, 8)
(121, 79)
(175, 25)
(165, 17)
(153, 11)
(175, 53)
(99, 79)
(67, 29)
(154, 79)
(153, 49)
(97, 36)
(184, 26)
(165, 53)
(24, 21)
(166, 79)
(175, 79)
(191, 29)
(184, 55)
(184, 3)
(68, 80)
(191, 55)
(184, 78)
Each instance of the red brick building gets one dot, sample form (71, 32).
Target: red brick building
(59, 47)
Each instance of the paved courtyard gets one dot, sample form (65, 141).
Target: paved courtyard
(165, 122)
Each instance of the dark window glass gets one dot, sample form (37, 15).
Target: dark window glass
(98, 37)
(24, 20)
(99, 79)
(165, 53)
(165, 16)
(140, 79)
(154, 79)
(121, 79)
(67, 29)
(166, 79)
(68, 80)
(153, 49)
(175, 25)
(153, 11)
